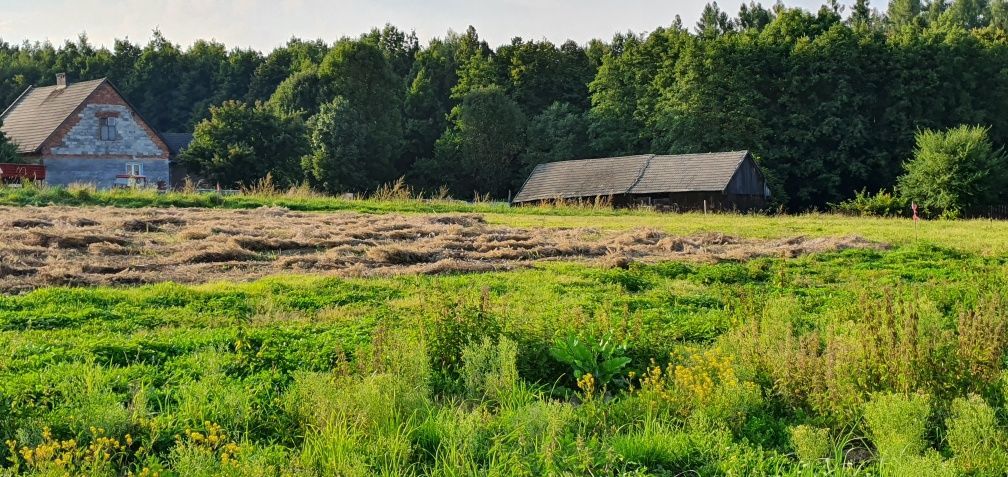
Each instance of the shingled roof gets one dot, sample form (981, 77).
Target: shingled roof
(38, 112)
(647, 174)
(176, 142)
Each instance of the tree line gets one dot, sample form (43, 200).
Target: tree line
(829, 101)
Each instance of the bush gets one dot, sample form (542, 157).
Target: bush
(882, 204)
(897, 423)
(954, 172)
(979, 447)
(457, 325)
(8, 150)
(811, 444)
(489, 369)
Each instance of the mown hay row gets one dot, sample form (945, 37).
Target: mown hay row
(41, 246)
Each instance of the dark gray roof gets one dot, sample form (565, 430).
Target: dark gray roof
(176, 142)
(39, 111)
(583, 178)
(646, 174)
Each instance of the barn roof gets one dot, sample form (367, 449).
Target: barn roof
(647, 174)
(38, 112)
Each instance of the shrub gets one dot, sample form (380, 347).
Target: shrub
(882, 204)
(449, 331)
(703, 384)
(897, 423)
(489, 369)
(978, 445)
(8, 150)
(954, 172)
(811, 444)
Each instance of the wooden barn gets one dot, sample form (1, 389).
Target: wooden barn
(721, 181)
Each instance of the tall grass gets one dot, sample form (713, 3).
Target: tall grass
(773, 367)
(393, 197)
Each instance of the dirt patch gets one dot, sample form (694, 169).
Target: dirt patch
(94, 246)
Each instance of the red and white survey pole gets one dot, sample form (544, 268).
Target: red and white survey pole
(916, 218)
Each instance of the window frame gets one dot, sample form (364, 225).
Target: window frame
(107, 128)
(134, 166)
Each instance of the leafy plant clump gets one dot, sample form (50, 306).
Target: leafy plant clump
(882, 204)
(601, 360)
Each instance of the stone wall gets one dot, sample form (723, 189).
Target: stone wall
(131, 140)
(100, 171)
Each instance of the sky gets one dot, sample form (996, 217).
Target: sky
(265, 24)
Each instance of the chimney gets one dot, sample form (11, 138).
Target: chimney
(61, 81)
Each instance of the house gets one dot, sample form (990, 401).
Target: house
(714, 181)
(86, 132)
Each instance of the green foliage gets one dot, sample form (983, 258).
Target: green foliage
(559, 133)
(979, 445)
(454, 328)
(490, 374)
(881, 204)
(319, 376)
(904, 12)
(240, 144)
(954, 172)
(479, 150)
(8, 150)
(811, 444)
(829, 104)
(898, 424)
(339, 139)
(602, 358)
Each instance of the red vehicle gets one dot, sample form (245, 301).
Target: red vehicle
(17, 173)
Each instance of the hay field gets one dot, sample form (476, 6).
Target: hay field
(109, 246)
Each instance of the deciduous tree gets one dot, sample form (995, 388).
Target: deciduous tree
(955, 171)
(241, 143)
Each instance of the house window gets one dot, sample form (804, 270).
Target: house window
(134, 169)
(107, 129)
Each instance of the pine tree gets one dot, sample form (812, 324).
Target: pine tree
(713, 21)
(904, 12)
(861, 14)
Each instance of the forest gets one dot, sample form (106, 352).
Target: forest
(829, 101)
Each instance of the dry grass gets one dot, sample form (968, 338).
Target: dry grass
(85, 246)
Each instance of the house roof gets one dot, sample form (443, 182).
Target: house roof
(38, 112)
(647, 174)
(176, 142)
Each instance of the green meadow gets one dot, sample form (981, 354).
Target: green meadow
(858, 362)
